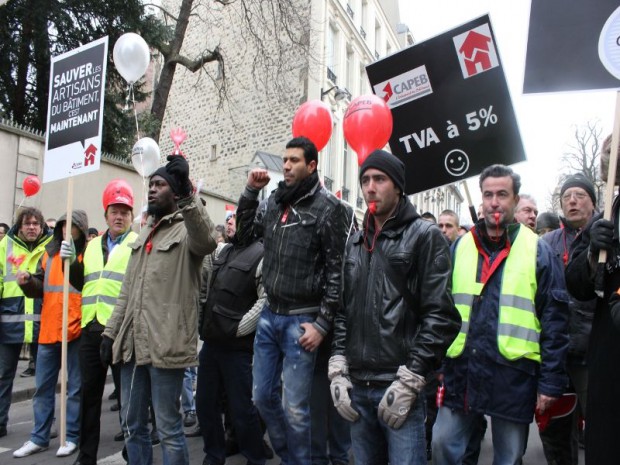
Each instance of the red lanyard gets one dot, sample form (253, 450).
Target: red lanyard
(489, 268)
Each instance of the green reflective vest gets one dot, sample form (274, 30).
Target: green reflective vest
(102, 284)
(518, 327)
(17, 312)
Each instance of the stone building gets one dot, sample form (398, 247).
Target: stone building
(343, 37)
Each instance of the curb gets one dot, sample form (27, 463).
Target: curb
(23, 394)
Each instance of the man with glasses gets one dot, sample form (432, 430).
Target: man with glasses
(20, 249)
(578, 200)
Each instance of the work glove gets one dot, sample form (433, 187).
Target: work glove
(179, 168)
(399, 397)
(601, 235)
(338, 374)
(67, 250)
(105, 350)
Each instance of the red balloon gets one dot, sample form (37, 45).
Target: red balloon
(367, 125)
(313, 120)
(31, 185)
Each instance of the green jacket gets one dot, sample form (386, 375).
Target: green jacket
(156, 315)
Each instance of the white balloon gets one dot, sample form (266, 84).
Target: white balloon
(145, 156)
(131, 56)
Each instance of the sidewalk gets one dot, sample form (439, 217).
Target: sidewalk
(23, 388)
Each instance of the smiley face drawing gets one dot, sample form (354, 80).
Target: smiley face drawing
(456, 162)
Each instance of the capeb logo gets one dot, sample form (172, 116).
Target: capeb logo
(406, 87)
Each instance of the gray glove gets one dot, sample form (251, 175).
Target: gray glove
(399, 397)
(337, 372)
(67, 250)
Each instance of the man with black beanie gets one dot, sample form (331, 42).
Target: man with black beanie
(396, 322)
(304, 229)
(153, 330)
(578, 203)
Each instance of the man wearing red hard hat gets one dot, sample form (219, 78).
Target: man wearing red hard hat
(105, 262)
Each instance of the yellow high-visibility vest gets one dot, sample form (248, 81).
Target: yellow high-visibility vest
(518, 327)
(102, 284)
(12, 319)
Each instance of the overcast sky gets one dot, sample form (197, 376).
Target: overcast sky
(546, 121)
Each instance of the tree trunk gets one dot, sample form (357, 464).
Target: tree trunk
(162, 91)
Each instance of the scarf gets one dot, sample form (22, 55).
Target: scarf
(288, 195)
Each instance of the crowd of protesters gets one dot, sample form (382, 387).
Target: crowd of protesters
(397, 340)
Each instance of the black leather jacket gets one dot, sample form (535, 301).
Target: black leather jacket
(374, 327)
(304, 247)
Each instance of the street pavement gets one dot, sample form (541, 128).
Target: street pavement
(20, 425)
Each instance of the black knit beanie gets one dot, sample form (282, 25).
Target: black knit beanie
(170, 179)
(388, 164)
(579, 180)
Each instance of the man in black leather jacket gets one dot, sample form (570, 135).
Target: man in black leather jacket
(384, 348)
(304, 230)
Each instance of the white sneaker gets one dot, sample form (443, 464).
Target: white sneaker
(27, 449)
(68, 449)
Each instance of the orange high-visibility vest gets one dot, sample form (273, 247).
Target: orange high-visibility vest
(51, 313)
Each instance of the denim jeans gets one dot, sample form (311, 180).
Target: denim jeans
(46, 379)
(374, 442)
(229, 371)
(165, 388)
(188, 403)
(281, 363)
(453, 431)
(9, 356)
(328, 427)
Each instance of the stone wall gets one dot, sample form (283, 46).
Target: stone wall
(22, 153)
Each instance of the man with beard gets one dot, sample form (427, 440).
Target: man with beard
(153, 328)
(396, 321)
(100, 277)
(304, 229)
(20, 250)
(508, 358)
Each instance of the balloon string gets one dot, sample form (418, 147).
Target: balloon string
(135, 111)
(17, 210)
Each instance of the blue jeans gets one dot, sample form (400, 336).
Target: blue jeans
(188, 403)
(279, 356)
(328, 427)
(453, 430)
(46, 379)
(375, 443)
(9, 356)
(165, 388)
(229, 371)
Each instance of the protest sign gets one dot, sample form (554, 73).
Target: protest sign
(451, 107)
(75, 111)
(563, 46)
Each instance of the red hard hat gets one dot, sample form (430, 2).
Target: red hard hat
(117, 191)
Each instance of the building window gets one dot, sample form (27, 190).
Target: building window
(331, 75)
(360, 203)
(350, 11)
(332, 51)
(349, 72)
(345, 167)
(345, 194)
(213, 154)
(328, 182)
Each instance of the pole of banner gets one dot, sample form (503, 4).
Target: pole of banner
(472, 209)
(65, 319)
(599, 282)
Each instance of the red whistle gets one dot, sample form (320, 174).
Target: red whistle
(372, 208)
(441, 390)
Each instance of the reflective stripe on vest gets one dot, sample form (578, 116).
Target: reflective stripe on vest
(102, 285)
(51, 313)
(11, 290)
(518, 327)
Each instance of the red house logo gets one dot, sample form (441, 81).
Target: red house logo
(388, 92)
(476, 51)
(89, 155)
